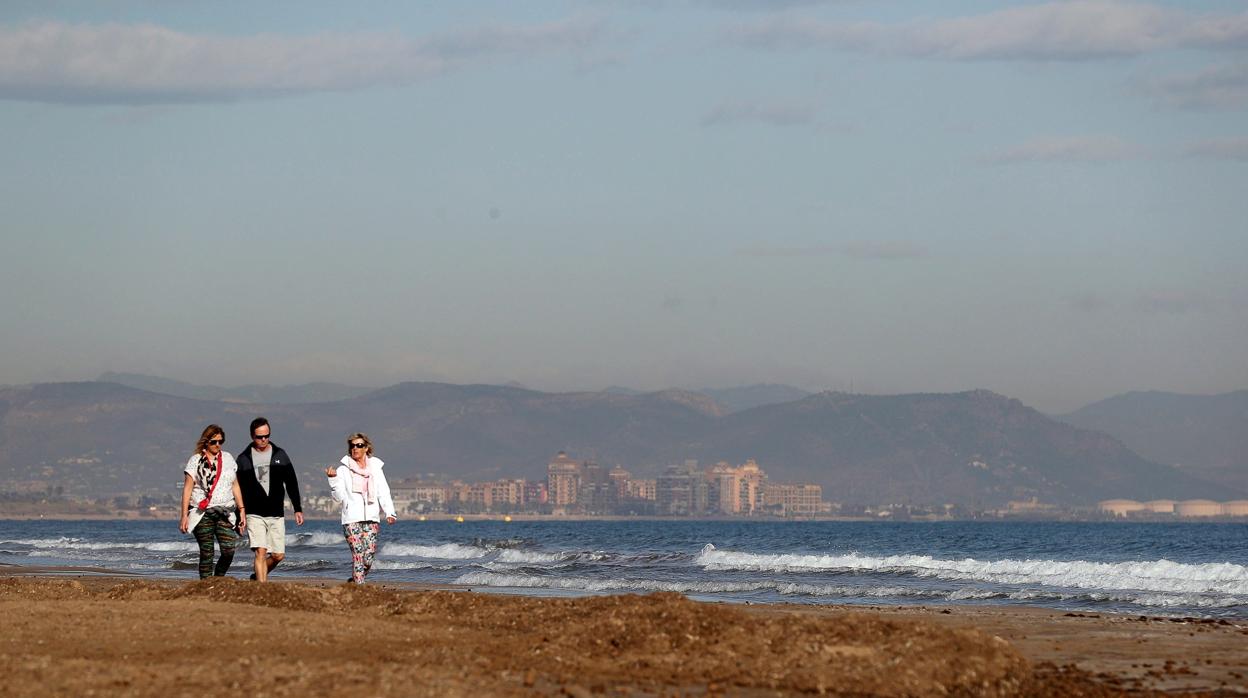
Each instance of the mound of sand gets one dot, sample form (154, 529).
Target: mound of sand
(224, 635)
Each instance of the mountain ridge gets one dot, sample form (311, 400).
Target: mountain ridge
(975, 448)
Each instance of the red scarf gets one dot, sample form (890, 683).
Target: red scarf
(203, 503)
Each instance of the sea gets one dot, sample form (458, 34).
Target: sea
(1155, 569)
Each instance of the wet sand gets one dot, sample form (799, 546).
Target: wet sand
(81, 631)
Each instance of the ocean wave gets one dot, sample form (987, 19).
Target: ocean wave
(1221, 578)
(446, 551)
(493, 543)
(314, 539)
(405, 565)
(845, 592)
(308, 565)
(530, 557)
(72, 544)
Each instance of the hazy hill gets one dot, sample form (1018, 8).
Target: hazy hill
(749, 396)
(1206, 435)
(969, 448)
(737, 398)
(255, 394)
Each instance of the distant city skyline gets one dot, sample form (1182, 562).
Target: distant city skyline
(1042, 199)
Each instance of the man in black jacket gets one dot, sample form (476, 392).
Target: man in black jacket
(266, 476)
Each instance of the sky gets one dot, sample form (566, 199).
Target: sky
(1048, 200)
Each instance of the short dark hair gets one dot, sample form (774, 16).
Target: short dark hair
(257, 423)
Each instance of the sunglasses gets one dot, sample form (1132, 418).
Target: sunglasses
(216, 442)
(360, 445)
(260, 437)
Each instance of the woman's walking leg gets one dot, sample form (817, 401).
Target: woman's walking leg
(369, 534)
(228, 538)
(355, 538)
(203, 532)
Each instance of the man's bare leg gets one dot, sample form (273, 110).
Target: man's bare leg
(274, 559)
(262, 565)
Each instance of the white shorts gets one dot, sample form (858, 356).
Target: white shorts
(268, 532)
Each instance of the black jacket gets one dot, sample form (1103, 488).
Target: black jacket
(282, 481)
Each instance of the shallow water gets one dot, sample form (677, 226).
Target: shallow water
(1145, 568)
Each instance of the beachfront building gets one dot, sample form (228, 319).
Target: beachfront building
(597, 495)
(535, 495)
(563, 483)
(750, 489)
(681, 490)
(1120, 507)
(1238, 507)
(1198, 507)
(619, 478)
(497, 496)
(724, 481)
(794, 500)
(1160, 506)
(415, 496)
(642, 489)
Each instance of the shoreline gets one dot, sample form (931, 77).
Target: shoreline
(518, 518)
(1107, 651)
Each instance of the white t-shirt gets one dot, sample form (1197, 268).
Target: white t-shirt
(202, 475)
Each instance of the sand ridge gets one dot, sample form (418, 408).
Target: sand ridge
(220, 635)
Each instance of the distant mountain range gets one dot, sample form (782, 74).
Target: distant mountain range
(1205, 435)
(732, 399)
(973, 448)
(256, 394)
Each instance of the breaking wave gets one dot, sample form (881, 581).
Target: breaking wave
(1221, 578)
(446, 551)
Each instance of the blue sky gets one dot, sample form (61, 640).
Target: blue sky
(1042, 199)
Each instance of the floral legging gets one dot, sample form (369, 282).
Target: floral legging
(362, 537)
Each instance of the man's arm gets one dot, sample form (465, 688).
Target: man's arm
(292, 491)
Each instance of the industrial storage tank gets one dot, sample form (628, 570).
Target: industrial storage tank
(1239, 507)
(1198, 507)
(1120, 507)
(1160, 506)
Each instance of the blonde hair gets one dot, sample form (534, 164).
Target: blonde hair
(209, 431)
(368, 443)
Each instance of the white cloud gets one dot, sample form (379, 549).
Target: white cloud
(884, 249)
(1219, 149)
(774, 114)
(1073, 30)
(1071, 149)
(1216, 87)
(856, 249)
(151, 64)
(1175, 302)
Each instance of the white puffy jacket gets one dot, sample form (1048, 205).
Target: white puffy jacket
(354, 508)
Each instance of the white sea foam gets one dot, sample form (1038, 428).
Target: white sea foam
(45, 546)
(446, 551)
(840, 591)
(530, 557)
(1222, 578)
(498, 579)
(400, 565)
(315, 538)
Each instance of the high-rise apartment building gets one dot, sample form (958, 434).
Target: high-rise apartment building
(563, 482)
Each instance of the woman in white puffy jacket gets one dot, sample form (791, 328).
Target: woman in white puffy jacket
(360, 485)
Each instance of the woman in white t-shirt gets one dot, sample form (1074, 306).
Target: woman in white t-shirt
(212, 503)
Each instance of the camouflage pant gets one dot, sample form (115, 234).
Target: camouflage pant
(215, 524)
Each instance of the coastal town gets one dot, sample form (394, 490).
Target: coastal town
(576, 488)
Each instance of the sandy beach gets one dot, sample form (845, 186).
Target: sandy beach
(79, 632)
